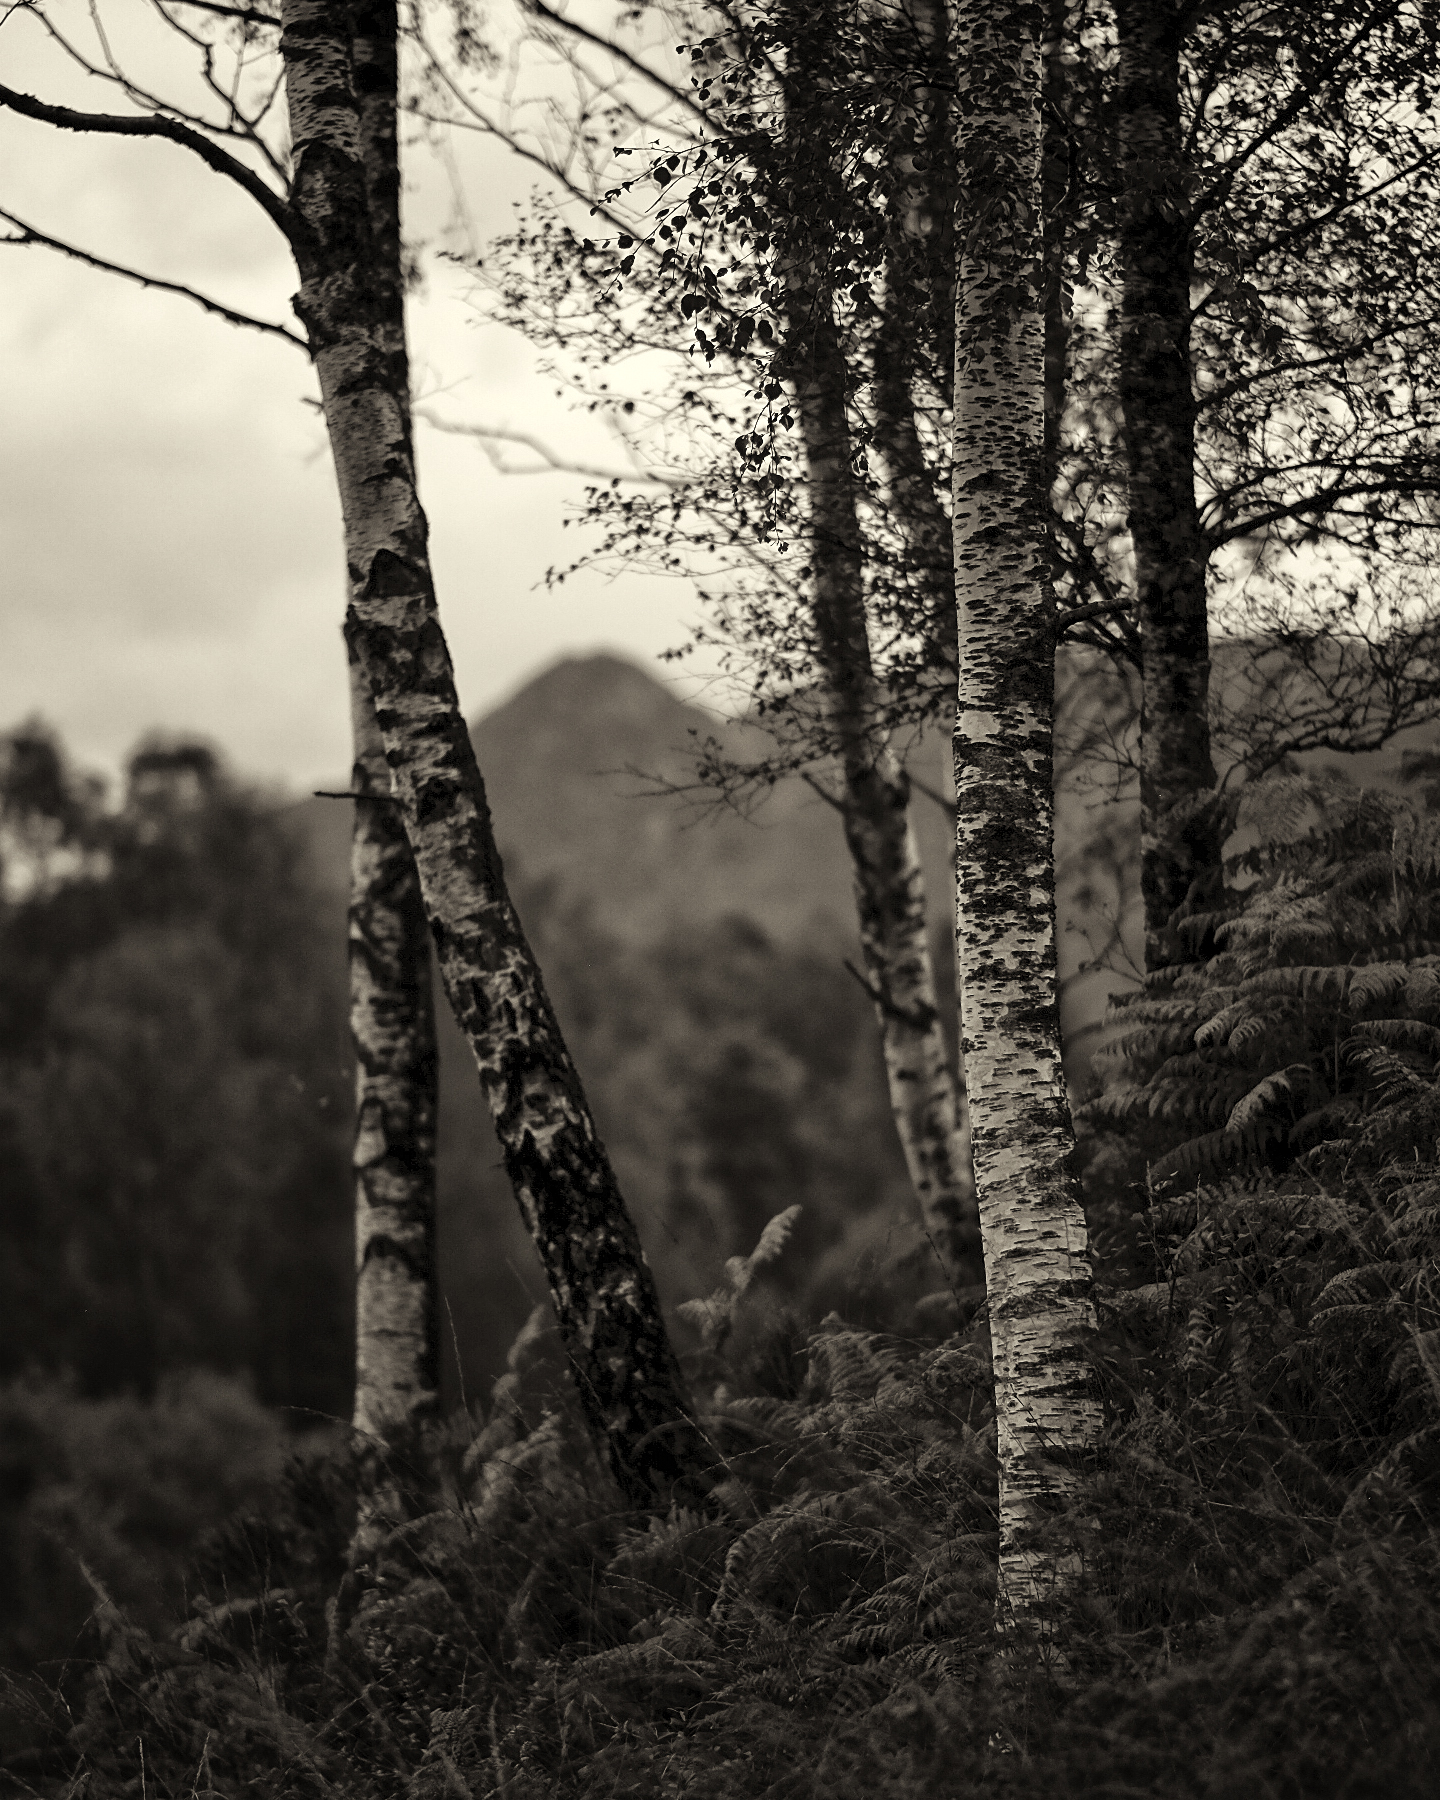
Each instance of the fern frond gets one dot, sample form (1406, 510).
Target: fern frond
(773, 1238)
(1217, 1028)
(1376, 983)
(1288, 1084)
(1356, 1288)
(1303, 981)
(1399, 1034)
(847, 1365)
(714, 1317)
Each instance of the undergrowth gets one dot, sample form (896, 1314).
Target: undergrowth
(1259, 1611)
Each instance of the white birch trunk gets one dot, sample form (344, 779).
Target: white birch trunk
(930, 1118)
(1036, 1250)
(392, 1025)
(627, 1375)
(392, 1012)
(926, 1097)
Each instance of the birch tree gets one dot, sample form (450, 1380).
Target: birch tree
(1264, 162)
(604, 1295)
(875, 790)
(772, 105)
(628, 1379)
(1180, 839)
(392, 1022)
(1036, 1249)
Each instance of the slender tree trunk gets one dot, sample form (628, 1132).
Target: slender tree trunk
(926, 1099)
(392, 1023)
(1059, 174)
(604, 1295)
(919, 307)
(1036, 1251)
(1180, 842)
(392, 1019)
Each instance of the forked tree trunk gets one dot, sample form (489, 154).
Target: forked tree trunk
(1036, 1252)
(925, 1098)
(392, 1017)
(625, 1368)
(1180, 838)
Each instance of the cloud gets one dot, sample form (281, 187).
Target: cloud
(170, 530)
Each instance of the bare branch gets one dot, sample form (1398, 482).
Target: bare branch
(1320, 501)
(820, 789)
(155, 126)
(552, 462)
(242, 15)
(29, 235)
(918, 1019)
(541, 10)
(242, 126)
(1096, 609)
(946, 805)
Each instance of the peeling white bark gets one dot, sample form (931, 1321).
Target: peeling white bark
(1036, 1250)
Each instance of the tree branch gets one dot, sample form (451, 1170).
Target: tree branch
(947, 806)
(242, 15)
(1323, 500)
(67, 119)
(551, 461)
(1075, 615)
(29, 235)
(1304, 94)
(541, 10)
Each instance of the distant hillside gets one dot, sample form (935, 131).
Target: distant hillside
(593, 857)
(559, 761)
(571, 812)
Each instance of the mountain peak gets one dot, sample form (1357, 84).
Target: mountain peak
(603, 690)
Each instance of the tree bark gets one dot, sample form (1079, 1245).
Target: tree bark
(920, 305)
(1180, 840)
(629, 1380)
(392, 1023)
(392, 1018)
(925, 1096)
(1036, 1250)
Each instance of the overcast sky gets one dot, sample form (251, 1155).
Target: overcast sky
(169, 531)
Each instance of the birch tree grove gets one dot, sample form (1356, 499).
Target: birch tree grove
(340, 173)
(1036, 1251)
(888, 878)
(776, 168)
(604, 1295)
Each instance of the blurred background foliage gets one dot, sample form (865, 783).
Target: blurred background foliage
(175, 1302)
(174, 1140)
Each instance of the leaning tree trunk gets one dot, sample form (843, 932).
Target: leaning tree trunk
(889, 884)
(625, 1368)
(1180, 836)
(1036, 1251)
(392, 1014)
